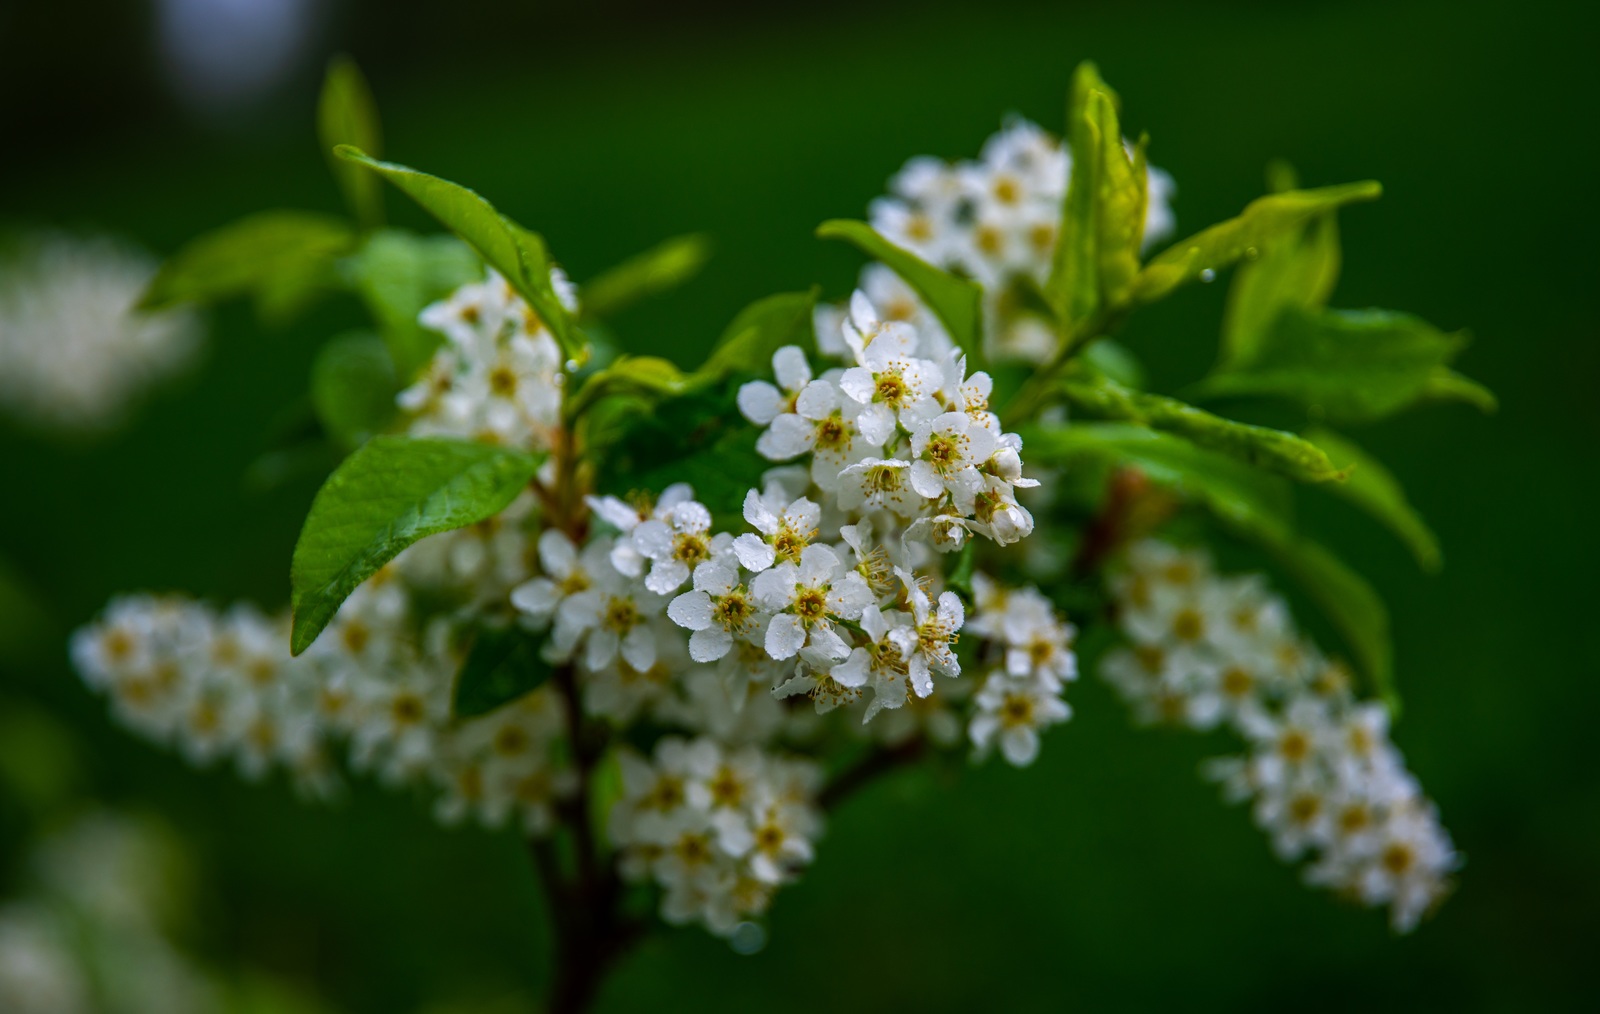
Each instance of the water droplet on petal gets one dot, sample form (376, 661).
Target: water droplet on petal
(1208, 276)
(572, 364)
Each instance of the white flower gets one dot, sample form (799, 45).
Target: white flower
(785, 532)
(807, 598)
(612, 618)
(878, 484)
(773, 839)
(567, 572)
(74, 356)
(926, 643)
(625, 517)
(761, 403)
(880, 661)
(823, 425)
(718, 610)
(675, 545)
(1013, 711)
(946, 451)
(890, 383)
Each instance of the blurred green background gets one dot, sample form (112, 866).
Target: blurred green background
(1108, 875)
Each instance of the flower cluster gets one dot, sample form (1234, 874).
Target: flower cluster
(73, 353)
(717, 828)
(901, 432)
(1322, 774)
(1030, 648)
(995, 220)
(94, 929)
(498, 376)
(222, 687)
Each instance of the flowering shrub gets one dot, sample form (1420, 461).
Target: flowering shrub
(663, 621)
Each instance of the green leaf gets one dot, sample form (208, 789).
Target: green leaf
(957, 302)
(1349, 365)
(1264, 220)
(657, 270)
(502, 665)
(649, 377)
(1117, 361)
(281, 258)
(1374, 489)
(1297, 270)
(1351, 604)
(387, 495)
(1252, 501)
(1275, 450)
(1102, 216)
(1448, 385)
(346, 114)
(515, 252)
(399, 274)
(353, 387)
(698, 438)
(759, 330)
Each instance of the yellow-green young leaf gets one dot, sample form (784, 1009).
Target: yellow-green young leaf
(1274, 450)
(1351, 604)
(391, 492)
(1297, 269)
(957, 302)
(759, 330)
(660, 269)
(1262, 221)
(398, 274)
(346, 114)
(1124, 194)
(1349, 365)
(279, 258)
(1253, 502)
(353, 386)
(1074, 287)
(1375, 490)
(515, 252)
(647, 377)
(502, 665)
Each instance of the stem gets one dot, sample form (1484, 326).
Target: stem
(590, 931)
(1035, 392)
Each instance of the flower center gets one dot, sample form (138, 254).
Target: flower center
(1236, 682)
(811, 605)
(690, 547)
(503, 381)
(892, 389)
(407, 709)
(1187, 625)
(1398, 858)
(1017, 711)
(1295, 746)
(943, 451)
(620, 615)
(732, 611)
(833, 434)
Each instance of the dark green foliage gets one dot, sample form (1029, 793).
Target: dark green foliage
(502, 665)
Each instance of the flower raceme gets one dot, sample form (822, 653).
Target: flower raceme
(694, 679)
(1322, 775)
